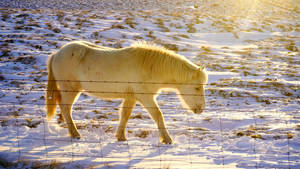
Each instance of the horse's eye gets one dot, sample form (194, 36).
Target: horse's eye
(198, 88)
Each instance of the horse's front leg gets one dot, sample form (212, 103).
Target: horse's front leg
(125, 112)
(150, 104)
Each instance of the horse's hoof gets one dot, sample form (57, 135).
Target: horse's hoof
(167, 141)
(75, 136)
(121, 138)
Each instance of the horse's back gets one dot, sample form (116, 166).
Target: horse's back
(82, 62)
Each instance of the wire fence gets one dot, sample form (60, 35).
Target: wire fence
(223, 135)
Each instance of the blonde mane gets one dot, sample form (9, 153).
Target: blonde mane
(160, 61)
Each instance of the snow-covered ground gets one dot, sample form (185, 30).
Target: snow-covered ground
(250, 49)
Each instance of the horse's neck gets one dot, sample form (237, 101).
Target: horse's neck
(182, 72)
(176, 77)
(164, 66)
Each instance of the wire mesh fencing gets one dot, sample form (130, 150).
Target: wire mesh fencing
(223, 136)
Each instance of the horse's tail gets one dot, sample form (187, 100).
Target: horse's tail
(53, 96)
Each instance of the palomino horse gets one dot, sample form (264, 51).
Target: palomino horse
(136, 73)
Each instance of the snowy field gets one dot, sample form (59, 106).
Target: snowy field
(251, 51)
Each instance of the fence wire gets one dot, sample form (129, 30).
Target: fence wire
(224, 136)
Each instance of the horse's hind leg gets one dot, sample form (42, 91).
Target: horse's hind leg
(65, 105)
(125, 112)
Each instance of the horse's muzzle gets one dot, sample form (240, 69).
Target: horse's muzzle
(198, 111)
(199, 108)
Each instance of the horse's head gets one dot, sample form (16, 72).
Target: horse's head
(193, 93)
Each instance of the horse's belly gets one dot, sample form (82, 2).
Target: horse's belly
(104, 95)
(104, 89)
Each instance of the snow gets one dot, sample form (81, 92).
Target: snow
(252, 58)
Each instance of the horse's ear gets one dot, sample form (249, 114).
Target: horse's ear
(201, 71)
(202, 74)
(201, 68)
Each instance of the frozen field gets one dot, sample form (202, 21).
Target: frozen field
(250, 49)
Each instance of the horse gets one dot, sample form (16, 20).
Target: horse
(135, 74)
